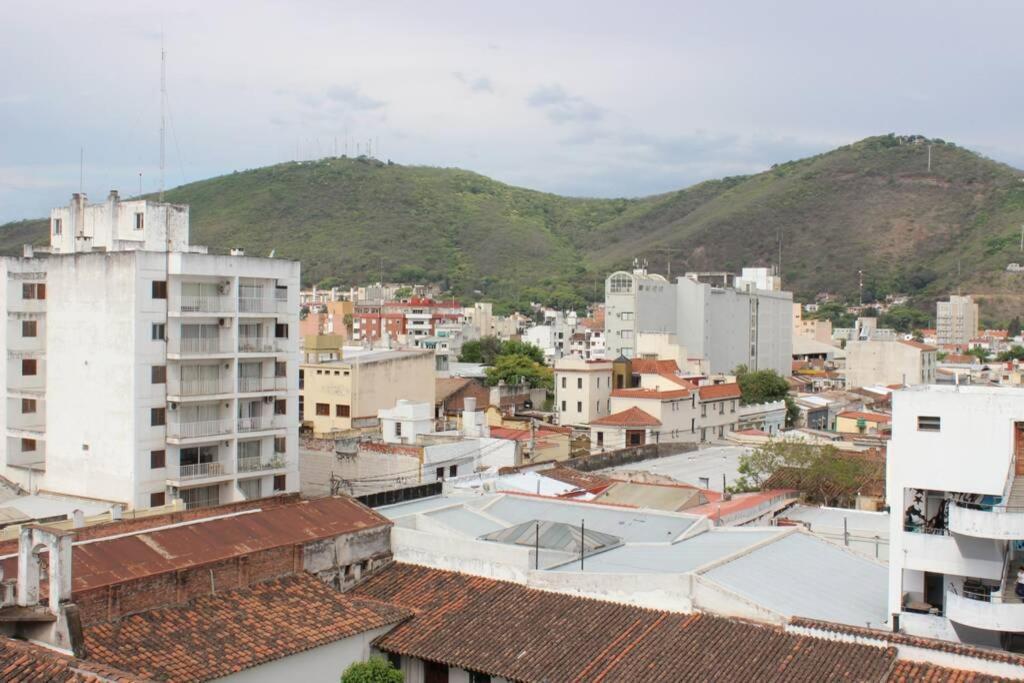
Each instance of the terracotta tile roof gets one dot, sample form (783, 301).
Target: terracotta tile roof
(446, 386)
(510, 434)
(235, 630)
(631, 417)
(961, 359)
(115, 560)
(650, 366)
(715, 392)
(919, 672)
(651, 393)
(23, 661)
(862, 415)
(523, 634)
(918, 345)
(584, 480)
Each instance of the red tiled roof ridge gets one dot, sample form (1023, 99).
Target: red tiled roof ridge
(717, 391)
(866, 414)
(631, 417)
(644, 392)
(917, 345)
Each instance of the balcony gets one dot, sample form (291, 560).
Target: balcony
(262, 345)
(258, 384)
(262, 305)
(260, 463)
(986, 521)
(261, 423)
(198, 471)
(199, 387)
(202, 304)
(194, 430)
(992, 612)
(193, 346)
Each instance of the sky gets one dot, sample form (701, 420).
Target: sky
(582, 98)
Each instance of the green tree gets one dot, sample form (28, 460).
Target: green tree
(1016, 352)
(979, 353)
(511, 369)
(762, 386)
(376, 670)
(828, 477)
(483, 350)
(513, 347)
(904, 319)
(1013, 329)
(403, 292)
(835, 313)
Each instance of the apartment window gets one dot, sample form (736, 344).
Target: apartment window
(158, 374)
(563, 406)
(477, 677)
(626, 315)
(597, 407)
(721, 408)
(281, 406)
(398, 429)
(28, 445)
(600, 438)
(341, 410)
(28, 406)
(33, 290)
(281, 330)
(280, 482)
(733, 408)
(453, 470)
(58, 226)
(323, 409)
(158, 332)
(157, 459)
(280, 444)
(693, 425)
(140, 221)
(579, 382)
(703, 409)
(281, 369)
(439, 473)
(28, 367)
(159, 289)
(157, 417)
(28, 328)
(928, 423)
(579, 406)
(157, 499)
(563, 382)
(251, 488)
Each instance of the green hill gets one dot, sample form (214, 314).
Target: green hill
(870, 206)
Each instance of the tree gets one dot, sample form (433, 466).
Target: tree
(904, 319)
(825, 475)
(1016, 352)
(513, 347)
(979, 353)
(376, 670)
(1013, 329)
(403, 293)
(835, 313)
(483, 350)
(762, 386)
(513, 368)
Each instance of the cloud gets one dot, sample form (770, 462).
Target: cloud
(350, 96)
(561, 107)
(477, 84)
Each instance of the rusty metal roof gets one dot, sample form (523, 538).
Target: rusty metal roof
(120, 558)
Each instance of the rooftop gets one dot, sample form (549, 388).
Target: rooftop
(863, 415)
(358, 356)
(631, 417)
(713, 392)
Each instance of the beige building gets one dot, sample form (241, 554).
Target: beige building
(582, 389)
(956, 320)
(876, 362)
(360, 383)
(818, 330)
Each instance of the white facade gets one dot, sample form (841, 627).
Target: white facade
(884, 362)
(956, 320)
(636, 302)
(406, 421)
(157, 374)
(582, 390)
(954, 485)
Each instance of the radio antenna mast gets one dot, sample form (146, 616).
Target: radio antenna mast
(163, 107)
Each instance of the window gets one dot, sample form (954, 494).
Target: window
(563, 382)
(33, 290)
(28, 367)
(323, 409)
(579, 406)
(476, 677)
(597, 407)
(600, 438)
(28, 445)
(140, 221)
(341, 410)
(159, 289)
(280, 482)
(395, 660)
(579, 382)
(281, 406)
(928, 423)
(721, 408)
(620, 283)
(398, 429)
(453, 471)
(251, 488)
(157, 499)
(733, 408)
(439, 473)
(281, 368)
(280, 444)
(28, 328)
(58, 226)
(693, 425)
(626, 315)
(159, 332)
(157, 417)
(157, 459)
(703, 409)
(158, 374)
(28, 406)
(563, 406)
(281, 330)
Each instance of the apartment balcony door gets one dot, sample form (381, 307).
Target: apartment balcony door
(1018, 447)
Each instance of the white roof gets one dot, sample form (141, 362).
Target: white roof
(688, 468)
(831, 519)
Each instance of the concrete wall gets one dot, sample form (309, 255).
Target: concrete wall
(872, 363)
(624, 456)
(583, 389)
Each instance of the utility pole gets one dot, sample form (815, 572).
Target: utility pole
(668, 251)
(860, 285)
(929, 158)
(1022, 237)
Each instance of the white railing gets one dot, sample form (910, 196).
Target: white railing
(203, 304)
(194, 345)
(198, 387)
(986, 521)
(258, 463)
(263, 422)
(262, 384)
(202, 469)
(188, 430)
(261, 344)
(262, 305)
(987, 611)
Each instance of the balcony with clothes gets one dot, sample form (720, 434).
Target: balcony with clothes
(192, 421)
(196, 381)
(261, 455)
(262, 337)
(256, 377)
(208, 338)
(201, 462)
(262, 415)
(201, 298)
(256, 297)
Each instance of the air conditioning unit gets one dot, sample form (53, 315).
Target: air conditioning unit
(224, 322)
(172, 406)
(268, 399)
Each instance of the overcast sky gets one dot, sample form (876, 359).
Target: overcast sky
(584, 98)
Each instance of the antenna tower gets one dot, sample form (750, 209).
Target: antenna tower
(163, 108)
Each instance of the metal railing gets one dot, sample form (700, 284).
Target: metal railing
(257, 463)
(196, 345)
(202, 469)
(262, 422)
(262, 383)
(261, 305)
(261, 344)
(934, 531)
(188, 430)
(986, 507)
(198, 387)
(203, 304)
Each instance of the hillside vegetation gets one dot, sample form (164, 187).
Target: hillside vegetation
(872, 206)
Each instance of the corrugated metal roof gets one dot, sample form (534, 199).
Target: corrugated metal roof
(553, 536)
(465, 521)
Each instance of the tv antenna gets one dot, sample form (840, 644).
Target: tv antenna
(668, 251)
(163, 108)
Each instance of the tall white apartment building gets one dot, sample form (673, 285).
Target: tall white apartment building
(636, 302)
(956, 320)
(140, 368)
(955, 487)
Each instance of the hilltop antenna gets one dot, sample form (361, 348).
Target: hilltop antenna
(668, 259)
(929, 157)
(163, 108)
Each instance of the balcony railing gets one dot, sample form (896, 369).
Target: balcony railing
(256, 424)
(202, 469)
(196, 346)
(261, 345)
(986, 521)
(189, 430)
(203, 304)
(991, 611)
(259, 463)
(199, 387)
(262, 305)
(248, 384)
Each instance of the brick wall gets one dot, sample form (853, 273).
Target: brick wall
(624, 456)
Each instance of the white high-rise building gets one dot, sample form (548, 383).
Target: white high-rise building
(956, 320)
(141, 368)
(955, 488)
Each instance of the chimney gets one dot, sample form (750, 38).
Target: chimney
(78, 518)
(62, 630)
(117, 512)
(78, 213)
(113, 197)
